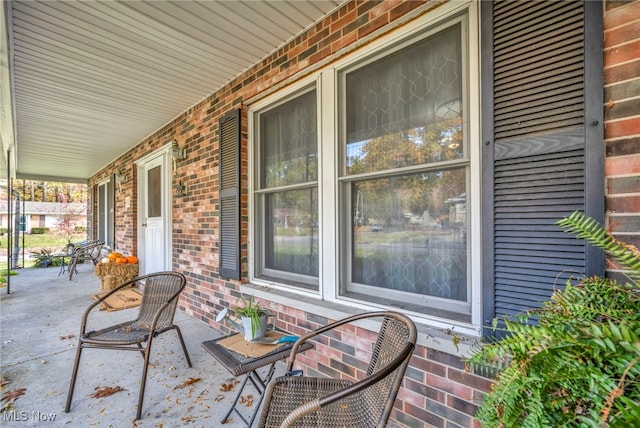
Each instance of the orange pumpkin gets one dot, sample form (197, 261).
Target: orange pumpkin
(121, 260)
(132, 260)
(114, 256)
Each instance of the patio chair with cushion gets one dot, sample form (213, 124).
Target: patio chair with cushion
(155, 316)
(90, 251)
(303, 401)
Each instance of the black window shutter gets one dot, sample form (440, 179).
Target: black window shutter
(542, 147)
(229, 158)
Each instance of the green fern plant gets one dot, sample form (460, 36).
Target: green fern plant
(579, 364)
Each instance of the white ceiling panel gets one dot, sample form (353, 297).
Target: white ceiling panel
(91, 79)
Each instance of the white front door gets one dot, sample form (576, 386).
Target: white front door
(154, 214)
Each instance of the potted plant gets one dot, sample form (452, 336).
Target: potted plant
(578, 364)
(253, 317)
(42, 258)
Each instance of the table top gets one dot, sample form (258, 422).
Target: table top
(239, 364)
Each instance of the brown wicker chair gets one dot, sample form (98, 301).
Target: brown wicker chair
(90, 251)
(155, 316)
(300, 401)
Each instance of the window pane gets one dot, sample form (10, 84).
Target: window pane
(409, 234)
(288, 138)
(154, 189)
(403, 110)
(291, 231)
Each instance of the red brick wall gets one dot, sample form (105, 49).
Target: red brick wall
(437, 391)
(622, 119)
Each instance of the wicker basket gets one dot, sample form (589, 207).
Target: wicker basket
(112, 274)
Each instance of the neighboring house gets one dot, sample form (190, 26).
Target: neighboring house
(45, 214)
(403, 155)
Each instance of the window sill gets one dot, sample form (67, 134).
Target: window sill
(428, 336)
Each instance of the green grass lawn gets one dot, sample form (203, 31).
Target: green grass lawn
(34, 244)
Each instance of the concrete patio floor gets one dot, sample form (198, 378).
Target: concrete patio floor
(39, 324)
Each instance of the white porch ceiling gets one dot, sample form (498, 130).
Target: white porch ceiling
(91, 79)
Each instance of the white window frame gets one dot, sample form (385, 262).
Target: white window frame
(259, 262)
(326, 301)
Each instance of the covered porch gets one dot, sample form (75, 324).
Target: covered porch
(40, 322)
(123, 94)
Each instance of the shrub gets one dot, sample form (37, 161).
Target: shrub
(579, 363)
(43, 258)
(3, 230)
(39, 230)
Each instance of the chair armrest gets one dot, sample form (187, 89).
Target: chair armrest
(85, 316)
(323, 329)
(374, 378)
(318, 403)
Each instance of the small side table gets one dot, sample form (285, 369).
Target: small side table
(238, 364)
(62, 257)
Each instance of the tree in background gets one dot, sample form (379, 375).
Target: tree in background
(68, 222)
(47, 191)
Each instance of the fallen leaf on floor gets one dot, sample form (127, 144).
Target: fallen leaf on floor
(247, 400)
(5, 380)
(187, 419)
(13, 395)
(105, 391)
(218, 398)
(228, 386)
(203, 396)
(188, 382)
(71, 336)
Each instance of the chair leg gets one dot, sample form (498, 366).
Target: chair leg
(143, 380)
(72, 267)
(74, 375)
(184, 347)
(141, 349)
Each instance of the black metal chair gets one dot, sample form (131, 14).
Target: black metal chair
(92, 250)
(155, 316)
(303, 401)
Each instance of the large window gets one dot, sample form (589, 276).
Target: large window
(287, 194)
(405, 175)
(364, 180)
